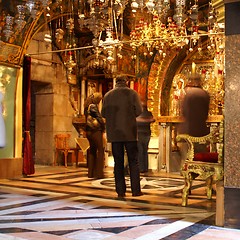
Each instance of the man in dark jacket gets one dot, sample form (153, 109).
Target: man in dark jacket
(195, 108)
(120, 108)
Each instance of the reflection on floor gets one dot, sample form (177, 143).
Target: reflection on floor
(60, 203)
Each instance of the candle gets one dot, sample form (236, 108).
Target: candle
(193, 67)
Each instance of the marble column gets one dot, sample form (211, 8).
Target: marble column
(231, 216)
(164, 146)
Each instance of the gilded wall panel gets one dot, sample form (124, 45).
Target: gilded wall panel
(9, 53)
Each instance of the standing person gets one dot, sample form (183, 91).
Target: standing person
(121, 106)
(195, 108)
(144, 134)
(95, 128)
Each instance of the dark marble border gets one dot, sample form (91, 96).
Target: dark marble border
(232, 18)
(232, 207)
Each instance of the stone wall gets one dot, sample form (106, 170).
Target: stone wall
(52, 111)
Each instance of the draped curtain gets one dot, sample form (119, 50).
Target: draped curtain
(28, 163)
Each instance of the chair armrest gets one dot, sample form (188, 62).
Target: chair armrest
(186, 138)
(214, 138)
(190, 140)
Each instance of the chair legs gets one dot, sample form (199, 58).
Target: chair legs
(186, 189)
(55, 161)
(189, 177)
(76, 152)
(65, 154)
(65, 157)
(73, 156)
(209, 183)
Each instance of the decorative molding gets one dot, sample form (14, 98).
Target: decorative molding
(230, 1)
(10, 53)
(178, 119)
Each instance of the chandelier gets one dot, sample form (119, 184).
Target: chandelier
(159, 26)
(164, 32)
(105, 17)
(158, 35)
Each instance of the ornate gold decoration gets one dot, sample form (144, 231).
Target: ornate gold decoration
(208, 171)
(163, 32)
(9, 53)
(159, 36)
(179, 119)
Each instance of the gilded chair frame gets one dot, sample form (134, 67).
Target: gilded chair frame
(211, 172)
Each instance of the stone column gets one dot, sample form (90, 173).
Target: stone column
(232, 116)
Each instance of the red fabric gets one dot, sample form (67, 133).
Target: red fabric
(136, 86)
(28, 163)
(206, 157)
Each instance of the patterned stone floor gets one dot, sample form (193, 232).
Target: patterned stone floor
(58, 203)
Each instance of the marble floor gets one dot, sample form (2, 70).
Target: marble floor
(58, 203)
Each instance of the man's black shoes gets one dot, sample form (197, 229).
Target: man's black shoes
(121, 195)
(137, 194)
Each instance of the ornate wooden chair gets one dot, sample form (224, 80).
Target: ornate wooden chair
(204, 165)
(62, 146)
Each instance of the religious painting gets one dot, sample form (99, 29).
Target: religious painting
(142, 89)
(110, 85)
(125, 64)
(177, 94)
(92, 87)
(8, 82)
